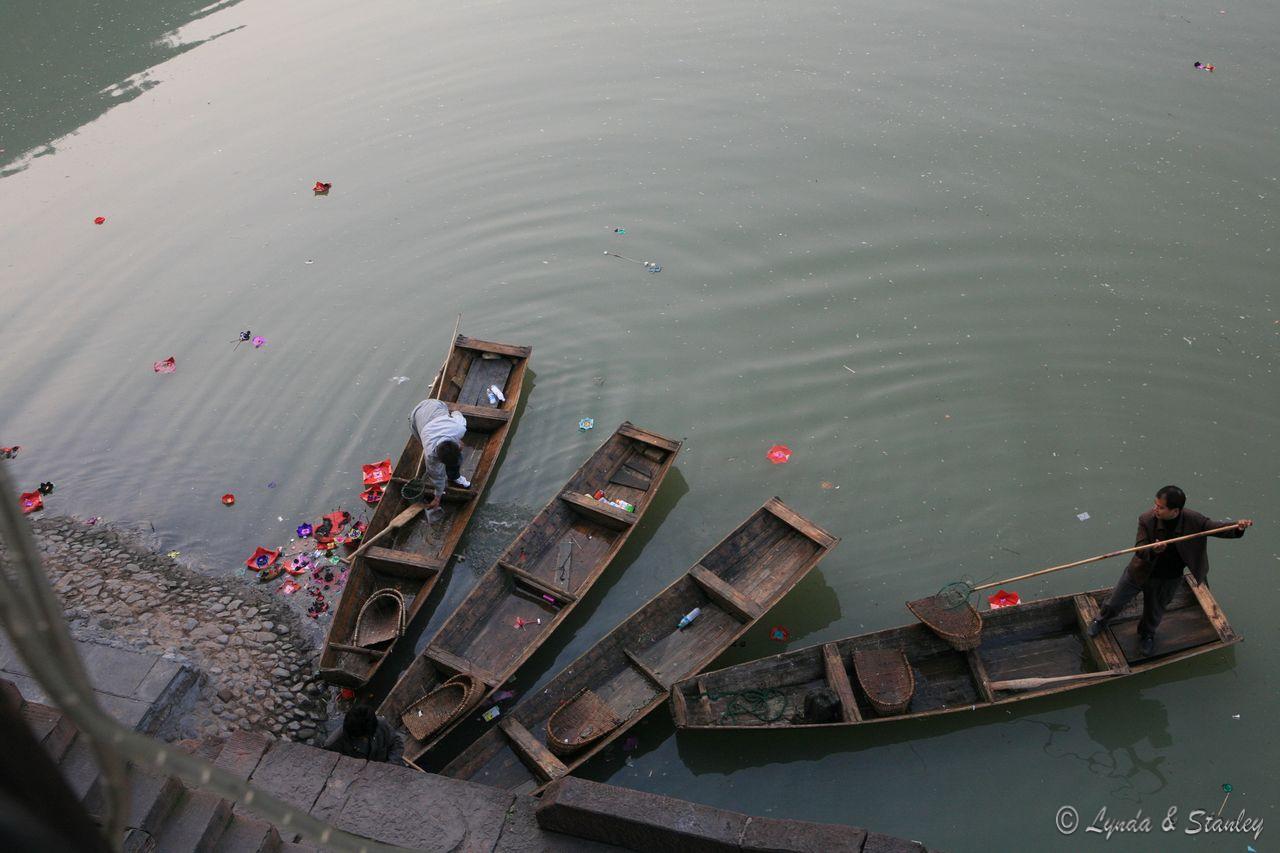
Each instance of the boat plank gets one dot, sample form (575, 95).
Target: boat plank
(511, 350)
(451, 661)
(981, 681)
(661, 441)
(609, 516)
(1212, 611)
(838, 680)
(726, 596)
(1102, 648)
(546, 765)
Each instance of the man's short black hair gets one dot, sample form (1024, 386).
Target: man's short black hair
(450, 454)
(1174, 498)
(361, 721)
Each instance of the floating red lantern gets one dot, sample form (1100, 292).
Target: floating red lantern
(1003, 598)
(228, 499)
(371, 495)
(377, 474)
(322, 188)
(779, 454)
(30, 502)
(169, 365)
(261, 559)
(99, 220)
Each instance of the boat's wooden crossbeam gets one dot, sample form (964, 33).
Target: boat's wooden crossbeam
(482, 418)
(561, 596)
(1103, 649)
(838, 681)
(630, 430)
(532, 750)
(603, 514)
(401, 564)
(741, 607)
(455, 663)
(1209, 605)
(648, 671)
(358, 650)
(981, 681)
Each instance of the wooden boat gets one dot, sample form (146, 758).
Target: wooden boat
(627, 674)
(407, 563)
(538, 579)
(1027, 650)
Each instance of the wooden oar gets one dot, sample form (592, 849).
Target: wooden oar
(960, 624)
(1035, 683)
(437, 384)
(395, 524)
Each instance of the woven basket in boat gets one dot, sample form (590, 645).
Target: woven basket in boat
(381, 619)
(960, 626)
(440, 707)
(582, 720)
(885, 676)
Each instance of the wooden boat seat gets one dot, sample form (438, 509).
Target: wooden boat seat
(540, 759)
(885, 676)
(482, 418)
(1102, 648)
(838, 681)
(647, 670)
(603, 514)
(452, 662)
(540, 586)
(630, 430)
(401, 564)
(742, 608)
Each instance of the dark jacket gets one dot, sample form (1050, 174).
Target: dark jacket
(385, 745)
(1194, 552)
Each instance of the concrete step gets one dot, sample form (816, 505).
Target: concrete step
(242, 752)
(248, 835)
(151, 799)
(79, 767)
(195, 825)
(49, 726)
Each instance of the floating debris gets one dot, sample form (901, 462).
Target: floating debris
(1084, 516)
(586, 424)
(259, 342)
(173, 555)
(1204, 66)
(779, 634)
(45, 488)
(399, 380)
(9, 452)
(651, 266)
(169, 365)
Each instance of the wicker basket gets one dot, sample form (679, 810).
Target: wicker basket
(960, 626)
(440, 707)
(885, 676)
(582, 720)
(381, 619)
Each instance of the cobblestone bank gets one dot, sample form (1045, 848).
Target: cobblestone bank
(258, 664)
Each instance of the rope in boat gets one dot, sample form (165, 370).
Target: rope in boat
(757, 703)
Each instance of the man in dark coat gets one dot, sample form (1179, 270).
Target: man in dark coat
(363, 735)
(1157, 572)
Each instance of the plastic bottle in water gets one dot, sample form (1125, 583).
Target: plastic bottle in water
(688, 618)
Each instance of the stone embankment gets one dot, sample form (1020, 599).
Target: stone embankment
(256, 657)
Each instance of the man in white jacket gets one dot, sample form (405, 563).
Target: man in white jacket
(441, 433)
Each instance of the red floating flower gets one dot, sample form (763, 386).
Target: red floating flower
(261, 559)
(98, 220)
(379, 473)
(30, 502)
(779, 634)
(778, 454)
(169, 365)
(228, 499)
(371, 495)
(1003, 598)
(322, 188)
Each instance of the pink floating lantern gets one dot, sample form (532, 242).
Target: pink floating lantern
(169, 365)
(779, 454)
(1003, 598)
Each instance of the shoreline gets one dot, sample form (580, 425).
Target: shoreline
(255, 656)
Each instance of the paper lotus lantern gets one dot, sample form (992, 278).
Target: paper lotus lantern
(30, 502)
(1003, 598)
(169, 365)
(262, 559)
(779, 454)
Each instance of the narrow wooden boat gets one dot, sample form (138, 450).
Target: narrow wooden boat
(627, 674)
(1027, 650)
(392, 580)
(537, 580)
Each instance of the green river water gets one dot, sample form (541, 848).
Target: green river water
(984, 267)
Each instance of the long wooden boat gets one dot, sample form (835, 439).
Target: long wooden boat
(611, 687)
(391, 581)
(1027, 650)
(531, 587)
